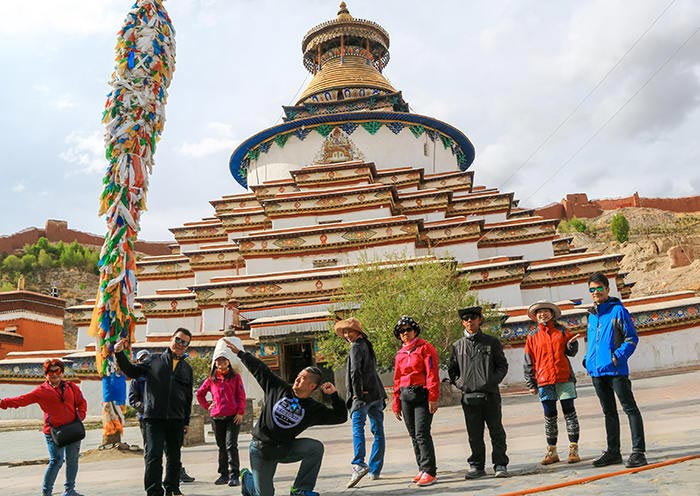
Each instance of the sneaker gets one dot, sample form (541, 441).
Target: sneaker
(184, 477)
(234, 481)
(358, 472)
(418, 476)
(426, 480)
(174, 492)
(636, 459)
(607, 458)
(500, 471)
(374, 476)
(302, 492)
(247, 483)
(474, 473)
(223, 479)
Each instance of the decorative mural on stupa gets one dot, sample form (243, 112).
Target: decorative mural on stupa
(338, 147)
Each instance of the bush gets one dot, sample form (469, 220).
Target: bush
(12, 263)
(578, 225)
(620, 228)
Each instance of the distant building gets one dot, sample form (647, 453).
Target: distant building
(30, 322)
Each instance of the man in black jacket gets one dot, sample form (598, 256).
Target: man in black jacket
(287, 412)
(167, 407)
(477, 365)
(366, 398)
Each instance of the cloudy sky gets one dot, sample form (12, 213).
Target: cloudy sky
(557, 96)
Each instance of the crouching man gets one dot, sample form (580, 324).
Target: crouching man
(287, 412)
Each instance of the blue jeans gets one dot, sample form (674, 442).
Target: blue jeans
(308, 451)
(70, 453)
(375, 412)
(606, 387)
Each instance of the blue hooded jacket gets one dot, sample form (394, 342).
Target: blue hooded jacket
(610, 332)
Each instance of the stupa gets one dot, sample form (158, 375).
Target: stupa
(353, 173)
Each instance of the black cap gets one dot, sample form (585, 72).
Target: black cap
(469, 311)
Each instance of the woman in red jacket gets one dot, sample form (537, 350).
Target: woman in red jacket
(226, 409)
(61, 402)
(416, 393)
(549, 373)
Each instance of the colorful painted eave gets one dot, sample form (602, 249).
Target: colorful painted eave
(240, 154)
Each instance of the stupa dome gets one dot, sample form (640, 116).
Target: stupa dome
(347, 57)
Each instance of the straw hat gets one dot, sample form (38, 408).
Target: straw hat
(351, 324)
(552, 307)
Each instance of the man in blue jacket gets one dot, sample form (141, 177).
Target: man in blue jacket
(612, 339)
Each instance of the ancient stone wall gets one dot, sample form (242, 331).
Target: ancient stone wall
(57, 230)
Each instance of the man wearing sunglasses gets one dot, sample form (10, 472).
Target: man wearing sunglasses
(166, 412)
(612, 338)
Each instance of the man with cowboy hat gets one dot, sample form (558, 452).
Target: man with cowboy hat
(477, 365)
(366, 398)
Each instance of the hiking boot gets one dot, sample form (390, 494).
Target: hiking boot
(184, 477)
(418, 476)
(501, 471)
(573, 453)
(426, 480)
(636, 459)
(223, 479)
(247, 483)
(551, 456)
(358, 472)
(474, 473)
(607, 458)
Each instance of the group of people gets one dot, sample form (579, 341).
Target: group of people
(477, 365)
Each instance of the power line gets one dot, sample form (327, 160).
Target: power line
(585, 98)
(604, 125)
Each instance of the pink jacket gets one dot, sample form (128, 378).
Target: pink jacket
(416, 364)
(228, 395)
(60, 405)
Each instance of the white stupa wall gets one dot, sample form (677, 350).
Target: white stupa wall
(149, 287)
(503, 296)
(213, 319)
(306, 262)
(314, 220)
(83, 339)
(202, 276)
(466, 252)
(386, 149)
(530, 251)
(167, 325)
(562, 292)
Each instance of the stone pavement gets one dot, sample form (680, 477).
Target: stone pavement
(669, 404)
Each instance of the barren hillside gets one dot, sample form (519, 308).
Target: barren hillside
(657, 238)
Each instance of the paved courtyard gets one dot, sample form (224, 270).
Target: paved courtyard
(670, 406)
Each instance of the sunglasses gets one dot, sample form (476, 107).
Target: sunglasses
(597, 289)
(470, 317)
(404, 330)
(181, 342)
(54, 372)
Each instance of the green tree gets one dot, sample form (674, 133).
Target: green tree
(28, 263)
(12, 263)
(201, 368)
(44, 260)
(620, 227)
(379, 293)
(578, 224)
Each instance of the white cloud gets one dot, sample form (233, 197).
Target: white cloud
(18, 187)
(85, 151)
(63, 102)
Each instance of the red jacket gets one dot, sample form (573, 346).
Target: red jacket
(227, 394)
(416, 364)
(546, 353)
(58, 404)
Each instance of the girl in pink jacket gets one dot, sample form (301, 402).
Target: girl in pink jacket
(226, 409)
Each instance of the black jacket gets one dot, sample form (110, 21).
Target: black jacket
(477, 364)
(361, 378)
(284, 416)
(168, 392)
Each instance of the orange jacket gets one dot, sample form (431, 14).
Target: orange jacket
(546, 352)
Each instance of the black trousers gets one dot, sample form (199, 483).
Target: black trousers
(606, 387)
(162, 436)
(418, 420)
(226, 434)
(489, 414)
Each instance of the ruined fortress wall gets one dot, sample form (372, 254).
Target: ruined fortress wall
(57, 230)
(578, 205)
